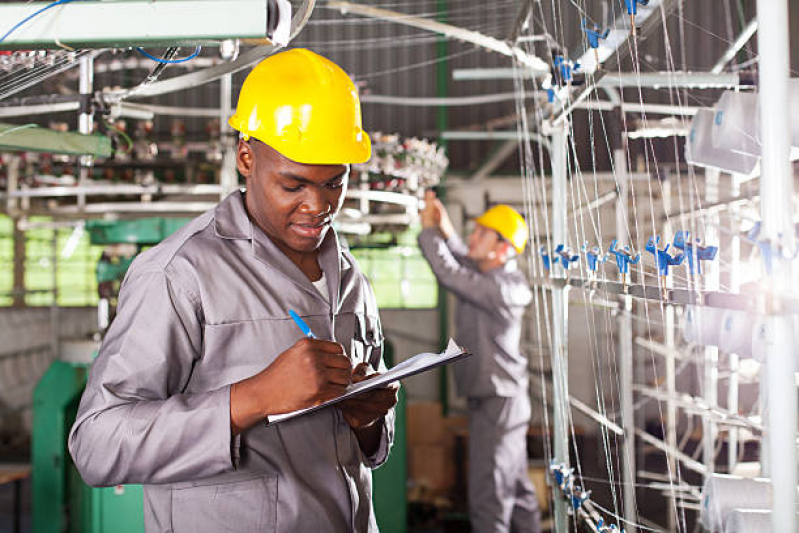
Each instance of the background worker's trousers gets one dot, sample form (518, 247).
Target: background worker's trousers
(501, 496)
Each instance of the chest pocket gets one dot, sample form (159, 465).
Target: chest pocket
(366, 340)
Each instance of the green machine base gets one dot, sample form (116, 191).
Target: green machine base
(62, 502)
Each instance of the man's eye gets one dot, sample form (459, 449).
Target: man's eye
(335, 184)
(298, 188)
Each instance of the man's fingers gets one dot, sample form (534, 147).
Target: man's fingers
(338, 377)
(326, 347)
(337, 362)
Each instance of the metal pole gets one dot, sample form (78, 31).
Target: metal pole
(671, 376)
(625, 340)
(711, 355)
(776, 195)
(560, 324)
(229, 177)
(735, 286)
(55, 325)
(85, 117)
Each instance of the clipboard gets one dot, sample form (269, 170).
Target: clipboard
(418, 363)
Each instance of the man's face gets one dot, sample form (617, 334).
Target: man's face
(483, 243)
(293, 203)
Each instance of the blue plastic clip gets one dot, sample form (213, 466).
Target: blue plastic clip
(693, 251)
(545, 258)
(624, 258)
(594, 35)
(565, 256)
(565, 68)
(663, 259)
(770, 251)
(578, 497)
(594, 256)
(632, 5)
(550, 95)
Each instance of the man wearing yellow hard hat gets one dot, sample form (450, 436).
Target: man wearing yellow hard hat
(492, 295)
(204, 352)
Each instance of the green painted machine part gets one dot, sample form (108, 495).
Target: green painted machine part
(31, 138)
(142, 231)
(62, 502)
(113, 270)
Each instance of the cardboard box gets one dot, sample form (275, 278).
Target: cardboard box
(538, 475)
(432, 466)
(425, 425)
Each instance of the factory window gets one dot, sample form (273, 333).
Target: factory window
(397, 271)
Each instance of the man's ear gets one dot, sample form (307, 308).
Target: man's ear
(503, 249)
(244, 158)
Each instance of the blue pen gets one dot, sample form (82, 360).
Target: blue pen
(301, 324)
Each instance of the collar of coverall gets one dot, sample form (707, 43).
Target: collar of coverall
(231, 222)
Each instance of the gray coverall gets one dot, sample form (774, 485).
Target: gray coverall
(494, 381)
(204, 309)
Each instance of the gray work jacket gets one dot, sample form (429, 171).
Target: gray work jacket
(488, 318)
(204, 309)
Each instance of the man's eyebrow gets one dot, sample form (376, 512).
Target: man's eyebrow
(304, 180)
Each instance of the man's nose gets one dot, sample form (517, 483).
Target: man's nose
(316, 202)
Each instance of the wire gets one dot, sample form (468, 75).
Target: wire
(26, 19)
(170, 61)
(124, 136)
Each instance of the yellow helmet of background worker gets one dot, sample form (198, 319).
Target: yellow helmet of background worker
(305, 107)
(507, 222)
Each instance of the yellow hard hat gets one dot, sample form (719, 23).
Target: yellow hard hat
(305, 107)
(506, 221)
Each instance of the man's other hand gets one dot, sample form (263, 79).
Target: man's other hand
(307, 374)
(365, 409)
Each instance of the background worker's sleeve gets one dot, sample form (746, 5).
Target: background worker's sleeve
(135, 423)
(488, 292)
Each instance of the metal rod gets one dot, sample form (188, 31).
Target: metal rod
(536, 64)
(711, 353)
(776, 192)
(734, 360)
(690, 463)
(735, 47)
(625, 342)
(85, 117)
(560, 324)
(228, 175)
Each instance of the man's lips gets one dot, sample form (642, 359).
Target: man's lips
(310, 230)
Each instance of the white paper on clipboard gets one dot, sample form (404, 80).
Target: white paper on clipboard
(418, 363)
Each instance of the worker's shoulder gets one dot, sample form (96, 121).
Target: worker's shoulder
(187, 241)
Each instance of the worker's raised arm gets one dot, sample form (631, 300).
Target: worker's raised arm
(469, 283)
(135, 423)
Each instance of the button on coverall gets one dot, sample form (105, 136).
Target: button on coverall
(204, 309)
(494, 381)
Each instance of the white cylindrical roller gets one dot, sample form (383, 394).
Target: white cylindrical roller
(702, 325)
(759, 341)
(736, 123)
(736, 333)
(699, 149)
(748, 521)
(723, 494)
